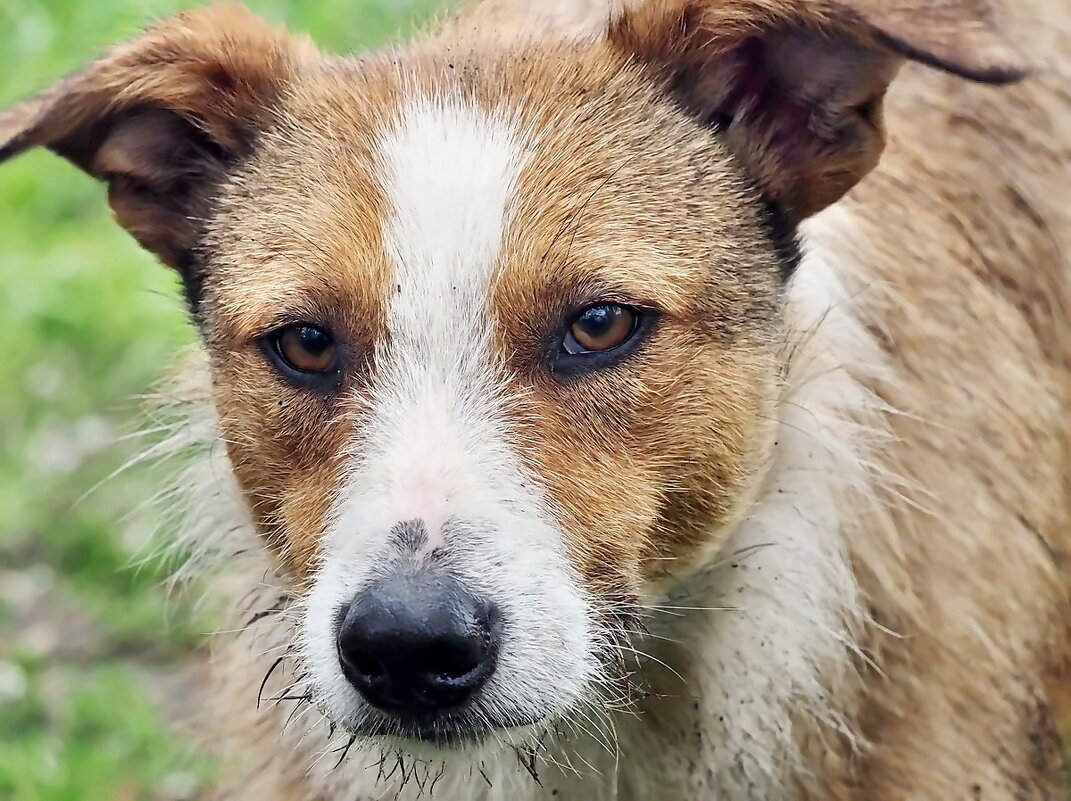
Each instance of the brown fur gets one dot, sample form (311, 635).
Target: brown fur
(976, 320)
(962, 261)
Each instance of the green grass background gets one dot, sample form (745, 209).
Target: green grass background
(93, 653)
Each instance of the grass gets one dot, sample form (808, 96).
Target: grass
(92, 651)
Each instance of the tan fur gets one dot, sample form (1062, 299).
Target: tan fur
(973, 308)
(957, 244)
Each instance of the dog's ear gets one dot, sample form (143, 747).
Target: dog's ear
(796, 86)
(161, 118)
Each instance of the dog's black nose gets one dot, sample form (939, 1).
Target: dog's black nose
(418, 643)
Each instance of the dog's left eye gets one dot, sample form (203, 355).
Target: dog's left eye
(598, 336)
(305, 350)
(599, 328)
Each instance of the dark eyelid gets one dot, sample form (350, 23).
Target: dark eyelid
(290, 319)
(600, 295)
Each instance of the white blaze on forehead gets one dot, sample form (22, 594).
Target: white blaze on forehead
(450, 170)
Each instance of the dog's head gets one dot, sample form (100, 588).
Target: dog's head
(493, 328)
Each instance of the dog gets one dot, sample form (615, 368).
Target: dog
(606, 402)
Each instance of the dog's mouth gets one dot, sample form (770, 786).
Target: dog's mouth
(456, 730)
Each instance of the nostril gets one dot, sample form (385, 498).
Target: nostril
(368, 666)
(451, 661)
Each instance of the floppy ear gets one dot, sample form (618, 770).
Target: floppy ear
(161, 118)
(796, 86)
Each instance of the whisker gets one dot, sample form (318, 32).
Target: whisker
(267, 676)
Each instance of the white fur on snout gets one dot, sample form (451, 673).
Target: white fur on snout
(425, 467)
(434, 443)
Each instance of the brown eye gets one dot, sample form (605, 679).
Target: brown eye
(601, 327)
(307, 349)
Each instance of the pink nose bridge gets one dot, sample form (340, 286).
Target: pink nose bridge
(426, 497)
(423, 488)
(429, 468)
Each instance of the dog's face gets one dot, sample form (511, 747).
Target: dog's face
(531, 385)
(495, 331)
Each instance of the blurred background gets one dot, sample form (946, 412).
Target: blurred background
(98, 662)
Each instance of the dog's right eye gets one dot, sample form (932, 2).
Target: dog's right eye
(304, 351)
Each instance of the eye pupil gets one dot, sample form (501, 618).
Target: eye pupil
(597, 320)
(313, 340)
